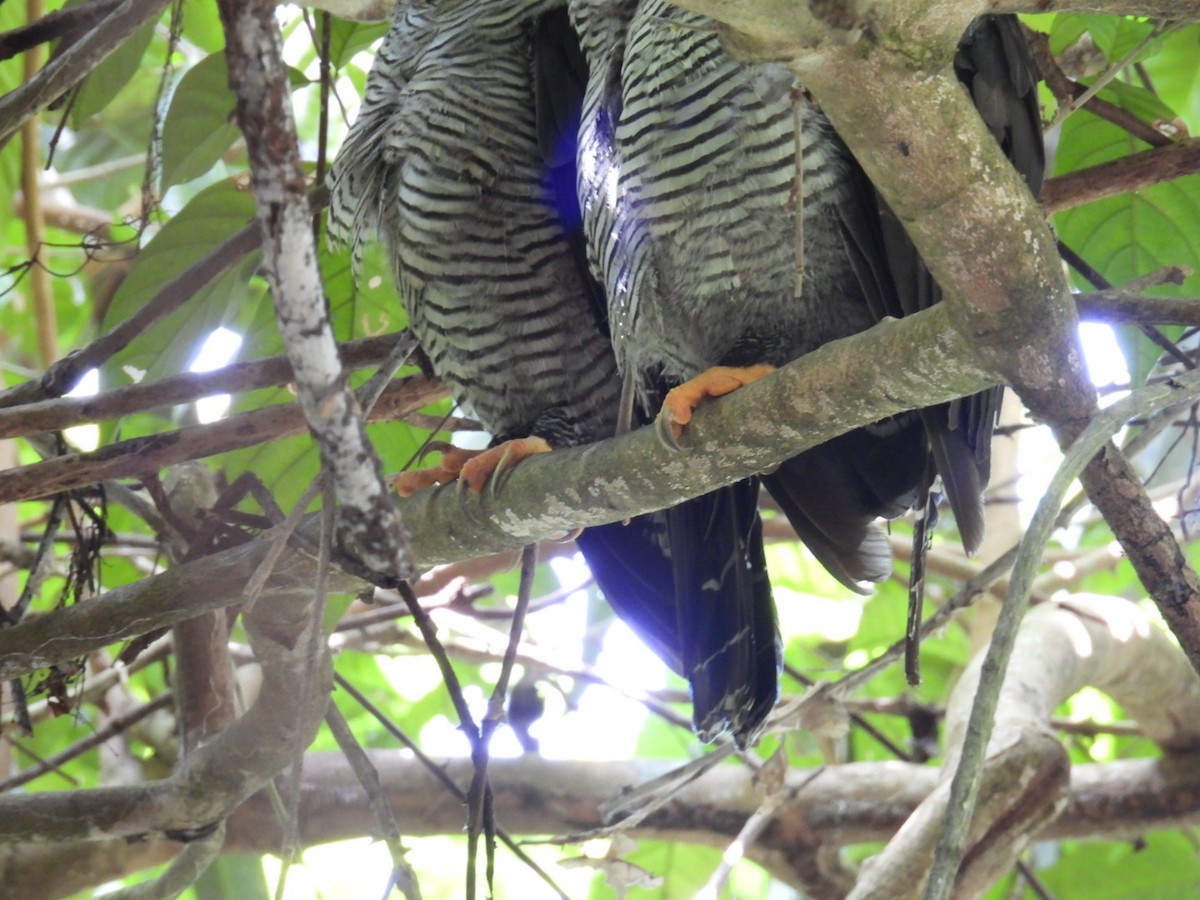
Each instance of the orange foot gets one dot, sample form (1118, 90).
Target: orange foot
(470, 467)
(453, 460)
(682, 401)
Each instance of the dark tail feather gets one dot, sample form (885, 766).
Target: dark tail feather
(964, 473)
(632, 567)
(731, 650)
(704, 605)
(833, 493)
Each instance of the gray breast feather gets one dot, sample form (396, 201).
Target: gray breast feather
(443, 163)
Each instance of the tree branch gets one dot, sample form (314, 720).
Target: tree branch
(143, 456)
(843, 385)
(218, 776)
(987, 245)
(159, 601)
(69, 68)
(1103, 642)
(367, 522)
(1121, 176)
(848, 804)
(63, 412)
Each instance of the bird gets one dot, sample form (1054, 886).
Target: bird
(443, 163)
(463, 162)
(687, 176)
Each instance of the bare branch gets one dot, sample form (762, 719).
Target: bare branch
(53, 415)
(1121, 176)
(139, 457)
(158, 601)
(1087, 640)
(368, 524)
(63, 376)
(848, 804)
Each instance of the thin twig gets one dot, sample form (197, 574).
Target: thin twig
(479, 797)
(381, 809)
(143, 456)
(70, 67)
(439, 773)
(1105, 77)
(115, 726)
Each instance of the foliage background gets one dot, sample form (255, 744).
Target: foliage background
(168, 104)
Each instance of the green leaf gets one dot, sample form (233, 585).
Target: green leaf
(335, 607)
(1066, 30)
(1116, 36)
(358, 308)
(347, 38)
(202, 26)
(233, 876)
(286, 467)
(1130, 235)
(362, 306)
(1163, 868)
(199, 125)
(211, 217)
(1176, 76)
(107, 79)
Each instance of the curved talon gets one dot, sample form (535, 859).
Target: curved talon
(682, 401)
(669, 431)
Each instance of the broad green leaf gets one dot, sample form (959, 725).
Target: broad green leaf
(107, 80)
(286, 467)
(211, 217)
(1066, 31)
(1128, 236)
(120, 135)
(358, 308)
(202, 26)
(364, 306)
(1134, 98)
(51, 735)
(199, 125)
(883, 621)
(1176, 76)
(1117, 36)
(335, 607)
(347, 38)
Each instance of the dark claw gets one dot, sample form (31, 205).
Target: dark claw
(664, 427)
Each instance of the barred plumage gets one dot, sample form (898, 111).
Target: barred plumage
(443, 162)
(688, 163)
(688, 167)
(447, 161)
